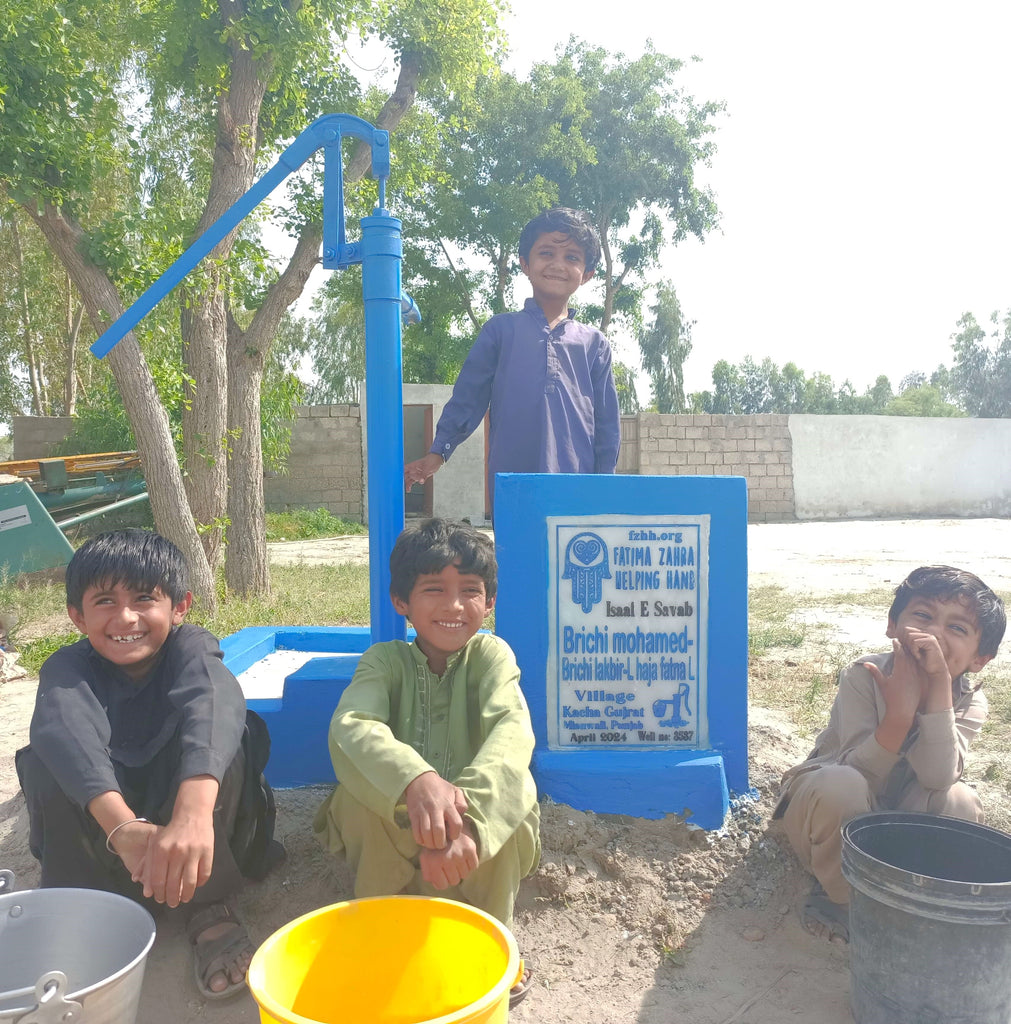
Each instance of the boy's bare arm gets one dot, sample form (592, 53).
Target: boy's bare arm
(435, 808)
(112, 812)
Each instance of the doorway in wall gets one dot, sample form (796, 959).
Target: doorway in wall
(417, 441)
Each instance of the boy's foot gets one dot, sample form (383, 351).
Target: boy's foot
(825, 919)
(222, 951)
(520, 990)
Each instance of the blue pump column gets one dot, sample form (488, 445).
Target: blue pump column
(382, 251)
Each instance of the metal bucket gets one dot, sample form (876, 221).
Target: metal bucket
(930, 919)
(70, 956)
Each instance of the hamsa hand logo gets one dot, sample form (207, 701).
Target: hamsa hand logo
(586, 566)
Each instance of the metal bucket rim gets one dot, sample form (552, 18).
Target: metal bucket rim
(497, 992)
(951, 885)
(942, 899)
(82, 993)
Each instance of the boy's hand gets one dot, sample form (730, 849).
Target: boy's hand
(926, 652)
(420, 470)
(179, 856)
(178, 860)
(436, 809)
(902, 691)
(452, 864)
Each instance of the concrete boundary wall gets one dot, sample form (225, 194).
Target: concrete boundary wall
(755, 447)
(796, 467)
(325, 464)
(869, 467)
(35, 437)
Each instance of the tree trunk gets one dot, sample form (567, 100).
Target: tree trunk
(140, 399)
(73, 334)
(204, 450)
(204, 323)
(246, 568)
(609, 290)
(35, 380)
(498, 302)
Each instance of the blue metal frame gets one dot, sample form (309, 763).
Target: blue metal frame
(380, 253)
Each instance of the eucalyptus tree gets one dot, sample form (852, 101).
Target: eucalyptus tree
(665, 343)
(981, 375)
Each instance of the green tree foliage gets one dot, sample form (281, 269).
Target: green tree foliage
(42, 326)
(981, 374)
(624, 384)
(166, 111)
(749, 387)
(649, 139)
(612, 135)
(665, 344)
(921, 400)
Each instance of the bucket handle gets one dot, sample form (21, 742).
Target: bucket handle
(518, 979)
(52, 1007)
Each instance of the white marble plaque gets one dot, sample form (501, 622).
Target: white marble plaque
(628, 603)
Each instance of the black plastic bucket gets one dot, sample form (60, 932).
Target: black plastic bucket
(930, 920)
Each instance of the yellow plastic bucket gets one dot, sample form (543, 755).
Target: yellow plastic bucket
(387, 960)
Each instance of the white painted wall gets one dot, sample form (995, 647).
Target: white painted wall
(458, 488)
(848, 467)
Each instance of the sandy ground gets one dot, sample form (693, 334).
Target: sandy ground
(626, 920)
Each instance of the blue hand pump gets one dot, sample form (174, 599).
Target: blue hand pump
(379, 252)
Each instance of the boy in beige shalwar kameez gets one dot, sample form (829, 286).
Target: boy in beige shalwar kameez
(898, 731)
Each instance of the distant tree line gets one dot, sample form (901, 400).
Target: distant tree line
(978, 383)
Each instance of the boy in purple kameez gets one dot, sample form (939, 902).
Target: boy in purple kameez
(546, 377)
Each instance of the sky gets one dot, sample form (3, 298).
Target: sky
(862, 172)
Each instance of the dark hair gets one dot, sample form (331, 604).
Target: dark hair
(944, 583)
(574, 223)
(138, 559)
(430, 545)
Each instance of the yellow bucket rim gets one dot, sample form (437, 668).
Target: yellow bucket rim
(255, 979)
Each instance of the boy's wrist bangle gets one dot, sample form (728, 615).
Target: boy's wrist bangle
(129, 821)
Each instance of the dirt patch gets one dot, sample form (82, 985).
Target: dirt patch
(626, 920)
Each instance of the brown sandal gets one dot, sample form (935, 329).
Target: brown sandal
(216, 956)
(521, 989)
(825, 919)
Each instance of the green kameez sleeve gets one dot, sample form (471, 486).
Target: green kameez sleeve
(497, 783)
(367, 757)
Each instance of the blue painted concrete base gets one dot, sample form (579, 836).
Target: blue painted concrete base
(299, 719)
(647, 785)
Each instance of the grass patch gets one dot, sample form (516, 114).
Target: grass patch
(301, 595)
(308, 524)
(34, 652)
(792, 664)
(769, 613)
(878, 598)
(34, 618)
